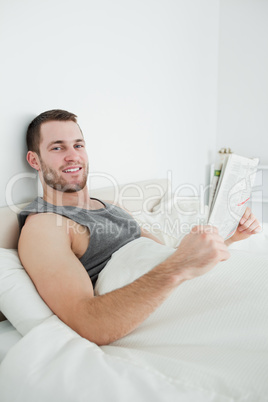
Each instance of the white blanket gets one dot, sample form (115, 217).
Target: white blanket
(207, 342)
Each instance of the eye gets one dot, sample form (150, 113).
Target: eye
(79, 146)
(55, 149)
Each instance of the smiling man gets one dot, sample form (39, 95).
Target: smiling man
(67, 238)
(57, 180)
(65, 173)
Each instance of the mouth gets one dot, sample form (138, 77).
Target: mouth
(72, 169)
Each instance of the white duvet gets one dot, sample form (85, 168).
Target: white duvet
(207, 342)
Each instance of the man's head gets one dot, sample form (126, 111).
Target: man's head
(34, 128)
(56, 148)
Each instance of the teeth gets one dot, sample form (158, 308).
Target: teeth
(71, 170)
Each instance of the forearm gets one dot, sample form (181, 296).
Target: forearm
(106, 318)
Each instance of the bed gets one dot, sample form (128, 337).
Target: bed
(207, 342)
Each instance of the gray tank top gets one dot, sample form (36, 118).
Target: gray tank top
(110, 228)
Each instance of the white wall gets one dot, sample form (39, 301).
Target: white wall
(141, 76)
(243, 88)
(243, 78)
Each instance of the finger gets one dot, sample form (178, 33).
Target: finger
(251, 221)
(222, 246)
(211, 231)
(254, 227)
(215, 238)
(245, 216)
(204, 229)
(246, 224)
(218, 238)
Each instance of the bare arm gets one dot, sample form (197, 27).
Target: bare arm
(65, 286)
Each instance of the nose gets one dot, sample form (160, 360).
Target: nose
(71, 155)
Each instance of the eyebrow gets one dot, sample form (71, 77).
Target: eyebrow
(63, 142)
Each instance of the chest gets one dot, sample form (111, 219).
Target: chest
(101, 233)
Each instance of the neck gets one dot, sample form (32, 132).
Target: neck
(79, 199)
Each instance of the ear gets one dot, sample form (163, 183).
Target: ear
(33, 160)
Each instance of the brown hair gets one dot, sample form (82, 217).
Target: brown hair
(33, 132)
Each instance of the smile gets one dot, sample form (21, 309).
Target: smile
(72, 170)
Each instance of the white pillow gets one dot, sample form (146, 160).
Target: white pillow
(19, 299)
(173, 218)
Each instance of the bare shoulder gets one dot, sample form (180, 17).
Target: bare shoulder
(47, 219)
(40, 237)
(47, 226)
(47, 256)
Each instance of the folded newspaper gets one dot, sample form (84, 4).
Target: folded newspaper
(230, 191)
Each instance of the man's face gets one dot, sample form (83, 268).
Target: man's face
(63, 158)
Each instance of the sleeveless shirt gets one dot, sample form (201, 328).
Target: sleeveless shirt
(110, 228)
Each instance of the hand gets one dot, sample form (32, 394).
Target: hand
(198, 252)
(247, 226)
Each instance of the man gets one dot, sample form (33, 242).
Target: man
(64, 241)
